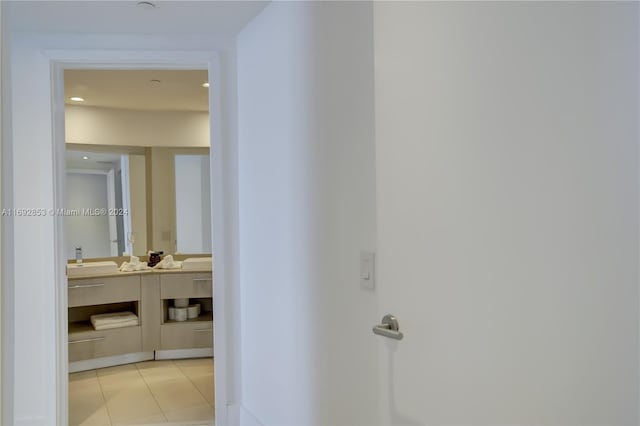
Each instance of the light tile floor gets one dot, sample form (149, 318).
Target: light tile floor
(154, 392)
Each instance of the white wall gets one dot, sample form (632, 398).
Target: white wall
(109, 126)
(87, 191)
(507, 172)
(307, 207)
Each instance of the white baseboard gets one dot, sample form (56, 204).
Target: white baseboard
(247, 418)
(232, 415)
(184, 353)
(109, 361)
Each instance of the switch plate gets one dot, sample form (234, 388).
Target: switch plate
(367, 270)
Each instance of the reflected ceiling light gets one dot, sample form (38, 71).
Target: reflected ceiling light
(84, 157)
(76, 99)
(205, 84)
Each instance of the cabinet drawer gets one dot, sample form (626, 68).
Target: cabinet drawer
(175, 286)
(98, 291)
(186, 336)
(98, 344)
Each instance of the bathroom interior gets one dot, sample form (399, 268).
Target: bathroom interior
(137, 225)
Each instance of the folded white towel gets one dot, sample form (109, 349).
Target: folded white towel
(167, 262)
(133, 264)
(116, 325)
(113, 320)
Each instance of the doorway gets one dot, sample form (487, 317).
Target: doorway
(191, 368)
(141, 338)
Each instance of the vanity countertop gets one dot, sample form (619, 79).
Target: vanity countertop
(146, 271)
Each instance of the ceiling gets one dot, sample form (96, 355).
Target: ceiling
(95, 160)
(151, 90)
(224, 18)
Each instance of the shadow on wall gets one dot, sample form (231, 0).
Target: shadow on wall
(395, 416)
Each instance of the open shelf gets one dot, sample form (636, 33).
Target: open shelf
(206, 310)
(204, 317)
(80, 316)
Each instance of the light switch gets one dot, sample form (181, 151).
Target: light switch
(367, 270)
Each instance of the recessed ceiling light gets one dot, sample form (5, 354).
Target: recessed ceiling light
(205, 84)
(146, 5)
(76, 99)
(84, 157)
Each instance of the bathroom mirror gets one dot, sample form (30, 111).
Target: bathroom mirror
(123, 199)
(137, 162)
(105, 211)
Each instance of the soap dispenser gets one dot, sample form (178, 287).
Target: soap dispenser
(78, 254)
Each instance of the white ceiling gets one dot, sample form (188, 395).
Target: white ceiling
(125, 17)
(178, 90)
(96, 160)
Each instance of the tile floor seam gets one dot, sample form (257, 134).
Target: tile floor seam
(152, 394)
(197, 388)
(104, 398)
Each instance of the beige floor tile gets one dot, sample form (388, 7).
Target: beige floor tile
(144, 420)
(86, 403)
(152, 365)
(176, 394)
(194, 362)
(83, 415)
(115, 385)
(83, 383)
(196, 367)
(82, 375)
(118, 379)
(190, 414)
(160, 371)
(204, 384)
(135, 403)
(118, 369)
(135, 394)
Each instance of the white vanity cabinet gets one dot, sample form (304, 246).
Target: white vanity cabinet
(195, 336)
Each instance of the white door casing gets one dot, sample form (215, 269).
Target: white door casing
(38, 356)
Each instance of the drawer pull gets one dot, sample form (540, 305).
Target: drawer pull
(93, 339)
(202, 330)
(87, 285)
(201, 279)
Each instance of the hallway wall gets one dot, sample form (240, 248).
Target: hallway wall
(307, 201)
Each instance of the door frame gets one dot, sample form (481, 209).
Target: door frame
(59, 60)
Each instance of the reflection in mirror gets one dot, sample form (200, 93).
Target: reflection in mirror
(193, 206)
(146, 137)
(134, 199)
(105, 203)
